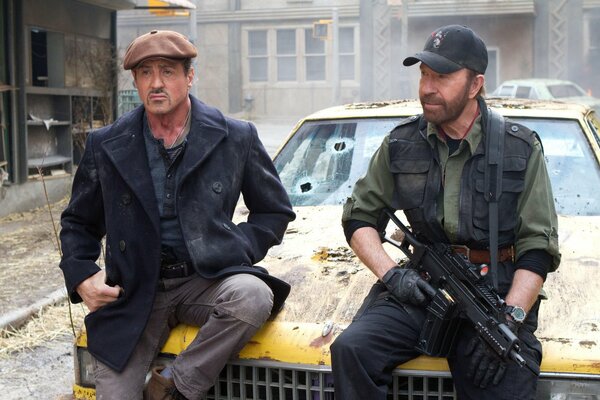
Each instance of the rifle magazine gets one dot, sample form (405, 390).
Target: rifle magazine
(440, 327)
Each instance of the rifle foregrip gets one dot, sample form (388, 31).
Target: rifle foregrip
(516, 357)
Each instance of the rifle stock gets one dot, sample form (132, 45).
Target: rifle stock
(462, 294)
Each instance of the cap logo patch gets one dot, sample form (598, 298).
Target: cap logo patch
(438, 38)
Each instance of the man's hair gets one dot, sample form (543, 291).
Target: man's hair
(187, 65)
(471, 75)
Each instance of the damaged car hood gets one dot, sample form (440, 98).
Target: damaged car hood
(329, 284)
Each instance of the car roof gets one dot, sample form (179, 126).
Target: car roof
(510, 107)
(538, 81)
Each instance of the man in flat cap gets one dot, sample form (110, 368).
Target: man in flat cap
(160, 186)
(435, 167)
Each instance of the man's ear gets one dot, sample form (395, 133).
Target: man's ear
(190, 76)
(476, 85)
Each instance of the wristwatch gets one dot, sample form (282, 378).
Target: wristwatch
(517, 313)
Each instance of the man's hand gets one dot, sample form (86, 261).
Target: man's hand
(406, 285)
(96, 293)
(486, 366)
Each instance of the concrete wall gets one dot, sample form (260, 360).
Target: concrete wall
(68, 16)
(212, 67)
(31, 194)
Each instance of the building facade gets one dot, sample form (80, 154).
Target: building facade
(57, 82)
(290, 57)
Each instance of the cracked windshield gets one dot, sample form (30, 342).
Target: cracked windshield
(323, 159)
(320, 163)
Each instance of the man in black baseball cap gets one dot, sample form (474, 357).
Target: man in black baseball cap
(436, 168)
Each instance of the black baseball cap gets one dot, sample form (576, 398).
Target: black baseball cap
(451, 48)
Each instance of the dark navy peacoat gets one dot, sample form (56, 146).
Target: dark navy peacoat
(113, 197)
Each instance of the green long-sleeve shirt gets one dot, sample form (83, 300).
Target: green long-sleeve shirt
(537, 225)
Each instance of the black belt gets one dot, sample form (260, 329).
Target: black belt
(178, 270)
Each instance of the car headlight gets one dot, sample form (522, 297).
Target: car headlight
(569, 387)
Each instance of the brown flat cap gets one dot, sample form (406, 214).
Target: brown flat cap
(167, 44)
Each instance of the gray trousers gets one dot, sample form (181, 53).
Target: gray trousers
(230, 311)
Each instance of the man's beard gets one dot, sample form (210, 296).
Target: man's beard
(450, 111)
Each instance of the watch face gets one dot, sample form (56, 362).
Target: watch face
(518, 314)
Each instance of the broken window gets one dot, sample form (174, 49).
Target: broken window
(323, 160)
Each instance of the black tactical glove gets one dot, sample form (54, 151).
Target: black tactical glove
(486, 366)
(407, 286)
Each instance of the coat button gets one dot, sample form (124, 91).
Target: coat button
(514, 128)
(126, 199)
(217, 187)
(122, 245)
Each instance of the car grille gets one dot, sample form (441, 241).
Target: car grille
(273, 380)
(264, 380)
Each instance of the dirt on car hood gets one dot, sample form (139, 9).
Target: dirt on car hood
(329, 284)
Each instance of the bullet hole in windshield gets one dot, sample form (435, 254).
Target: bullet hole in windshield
(339, 146)
(305, 187)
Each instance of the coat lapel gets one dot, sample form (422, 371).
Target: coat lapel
(127, 152)
(207, 130)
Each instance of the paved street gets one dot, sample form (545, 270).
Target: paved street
(273, 132)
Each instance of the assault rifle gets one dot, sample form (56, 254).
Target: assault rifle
(462, 294)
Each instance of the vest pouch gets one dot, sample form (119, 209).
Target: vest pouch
(513, 183)
(410, 177)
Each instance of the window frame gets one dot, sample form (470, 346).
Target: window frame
(301, 72)
(250, 56)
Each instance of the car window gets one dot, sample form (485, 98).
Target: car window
(524, 92)
(573, 169)
(565, 90)
(506, 90)
(321, 162)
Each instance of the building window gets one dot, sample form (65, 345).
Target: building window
(258, 56)
(315, 57)
(291, 54)
(346, 49)
(286, 55)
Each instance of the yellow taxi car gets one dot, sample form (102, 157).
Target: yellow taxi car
(318, 164)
